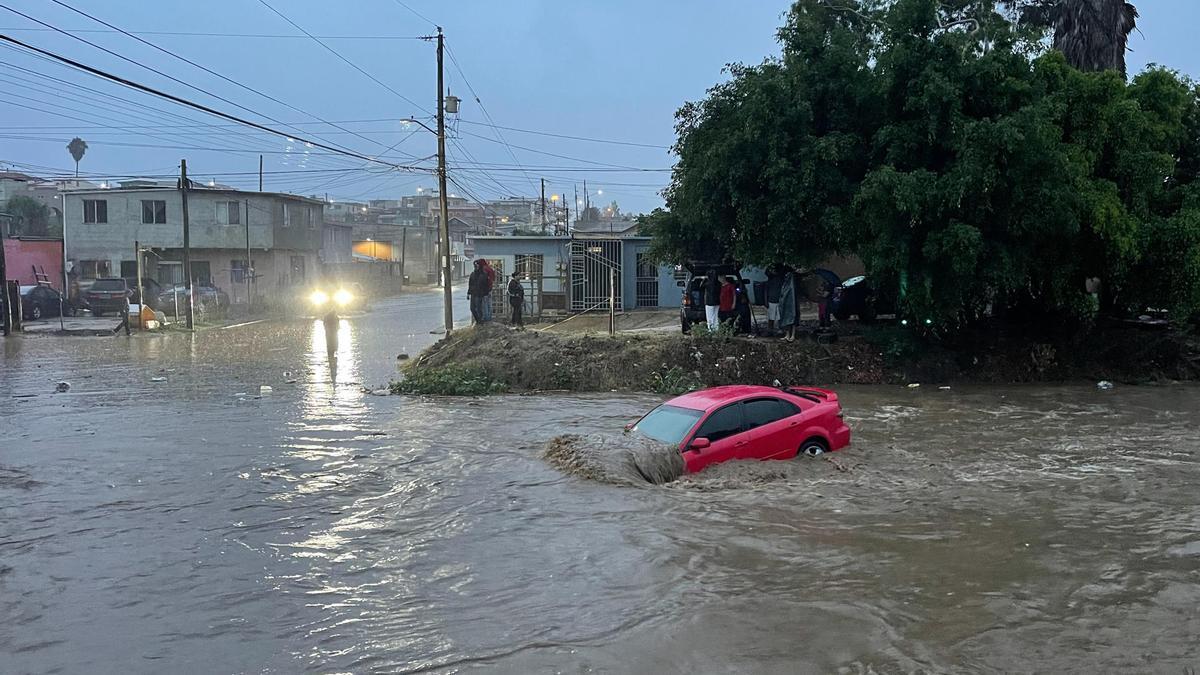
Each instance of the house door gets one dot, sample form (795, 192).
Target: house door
(647, 281)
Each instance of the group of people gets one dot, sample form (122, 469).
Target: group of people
(726, 301)
(479, 292)
(784, 291)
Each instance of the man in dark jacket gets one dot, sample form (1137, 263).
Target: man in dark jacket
(516, 299)
(479, 287)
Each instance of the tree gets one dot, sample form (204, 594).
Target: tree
(1092, 34)
(974, 176)
(78, 148)
(31, 217)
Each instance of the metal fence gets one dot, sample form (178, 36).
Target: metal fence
(595, 267)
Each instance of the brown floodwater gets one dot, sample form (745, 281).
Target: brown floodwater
(184, 525)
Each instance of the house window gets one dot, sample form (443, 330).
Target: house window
(528, 265)
(154, 212)
(95, 269)
(308, 216)
(287, 216)
(238, 271)
(95, 210)
(228, 213)
(170, 272)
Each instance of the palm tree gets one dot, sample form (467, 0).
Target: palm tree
(1093, 34)
(77, 147)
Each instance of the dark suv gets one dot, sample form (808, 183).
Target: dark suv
(107, 295)
(691, 309)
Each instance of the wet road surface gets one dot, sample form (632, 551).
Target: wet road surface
(186, 526)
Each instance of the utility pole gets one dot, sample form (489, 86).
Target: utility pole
(566, 216)
(448, 293)
(543, 206)
(187, 243)
(260, 184)
(586, 201)
(137, 262)
(246, 269)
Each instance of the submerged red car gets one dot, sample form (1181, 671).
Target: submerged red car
(747, 422)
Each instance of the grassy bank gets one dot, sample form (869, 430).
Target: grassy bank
(492, 358)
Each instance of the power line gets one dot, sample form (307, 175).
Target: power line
(206, 69)
(417, 14)
(136, 63)
(171, 33)
(191, 104)
(551, 154)
(336, 53)
(568, 136)
(454, 61)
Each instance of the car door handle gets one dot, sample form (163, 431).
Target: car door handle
(740, 444)
(793, 424)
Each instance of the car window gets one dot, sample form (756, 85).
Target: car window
(668, 423)
(722, 424)
(767, 410)
(109, 285)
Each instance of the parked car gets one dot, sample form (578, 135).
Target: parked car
(747, 422)
(691, 308)
(107, 295)
(207, 299)
(153, 291)
(42, 301)
(856, 296)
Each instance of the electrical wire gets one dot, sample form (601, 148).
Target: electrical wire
(209, 70)
(568, 136)
(174, 33)
(338, 54)
(192, 104)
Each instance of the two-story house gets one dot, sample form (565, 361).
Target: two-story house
(283, 233)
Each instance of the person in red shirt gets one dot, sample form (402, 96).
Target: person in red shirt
(726, 310)
(487, 299)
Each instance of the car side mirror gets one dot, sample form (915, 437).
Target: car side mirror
(699, 444)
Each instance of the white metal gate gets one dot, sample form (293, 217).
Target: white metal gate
(647, 281)
(595, 264)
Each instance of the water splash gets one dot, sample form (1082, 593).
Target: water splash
(620, 460)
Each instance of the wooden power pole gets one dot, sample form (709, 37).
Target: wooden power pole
(448, 293)
(187, 244)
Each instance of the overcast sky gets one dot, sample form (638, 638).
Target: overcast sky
(613, 70)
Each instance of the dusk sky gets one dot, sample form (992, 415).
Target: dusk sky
(614, 71)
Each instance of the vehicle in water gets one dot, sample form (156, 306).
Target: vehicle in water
(342, 298)
(208, 299)
(747, 422)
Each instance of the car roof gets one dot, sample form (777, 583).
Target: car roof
(707, 399)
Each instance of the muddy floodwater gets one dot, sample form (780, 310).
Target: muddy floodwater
(158, 517)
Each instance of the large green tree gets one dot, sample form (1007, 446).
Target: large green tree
(973, 173)
(30, 217)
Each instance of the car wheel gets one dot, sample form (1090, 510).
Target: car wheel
(686, 325)
(37, 312)
(812, 447)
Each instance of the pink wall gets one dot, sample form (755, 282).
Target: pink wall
(22, 254)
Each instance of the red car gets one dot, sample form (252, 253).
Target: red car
(747, 422)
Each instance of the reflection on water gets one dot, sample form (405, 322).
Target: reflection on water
(1047, 529)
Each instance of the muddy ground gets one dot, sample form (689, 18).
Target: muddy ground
(533, 360)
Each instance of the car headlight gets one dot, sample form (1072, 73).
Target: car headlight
(318, 298)
(343, 297)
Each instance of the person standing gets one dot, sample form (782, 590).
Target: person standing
(487, 301)
(125, 309)
(726, 310)
(479, 288)
(712, 300)
(787, 306)
(516, 300)
(773, 287)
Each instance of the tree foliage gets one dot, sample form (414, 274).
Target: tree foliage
(971, 171)
(30, 217)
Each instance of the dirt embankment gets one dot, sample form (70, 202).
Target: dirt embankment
(531, 360)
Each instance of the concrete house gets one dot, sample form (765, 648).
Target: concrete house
(284, 233)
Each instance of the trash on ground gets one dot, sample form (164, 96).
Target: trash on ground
(944, 388)
(914, 385)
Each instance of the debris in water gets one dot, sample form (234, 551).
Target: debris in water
(264, 390)
(402, 357)
(914, 385)
(1104, 385)
(158, 379)
(943, 388)
(62, 387)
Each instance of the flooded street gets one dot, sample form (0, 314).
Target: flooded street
(186, 526)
